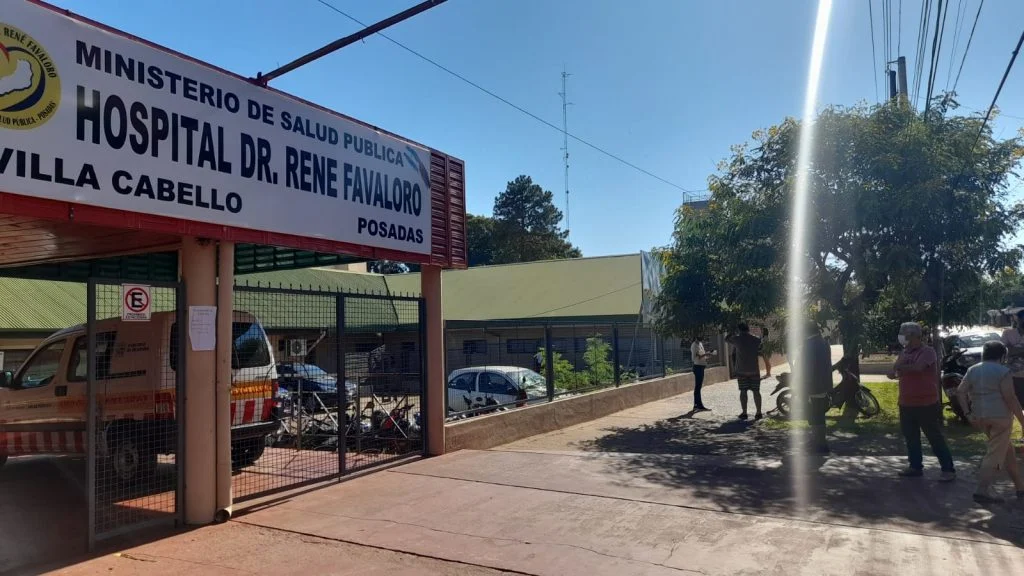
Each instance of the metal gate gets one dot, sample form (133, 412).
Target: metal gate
(347, 391)
(131, 356)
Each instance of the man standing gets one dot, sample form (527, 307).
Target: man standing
(1013, 339)
(700, 363)
(747, 348)
(920, 406)
(814, 361)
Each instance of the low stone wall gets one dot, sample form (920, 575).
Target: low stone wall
(492, 430)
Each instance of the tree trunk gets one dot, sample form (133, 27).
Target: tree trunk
(851, 356)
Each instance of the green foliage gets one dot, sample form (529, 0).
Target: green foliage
(600, 369)
(565, 374)
(908, 217)
(525, 228)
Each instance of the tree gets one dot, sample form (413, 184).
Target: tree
(526, 225)
(480, 240)
(387, 267)
(907, 217)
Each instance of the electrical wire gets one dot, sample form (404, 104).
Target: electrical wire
(507, 102)
(1002, 82)
(936, 43)
(922, 40)
(968, 48)
(874, 58)
(899, 31)
(958, 25)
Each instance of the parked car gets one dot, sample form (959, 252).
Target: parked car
(470, 388)
(970, 342)
(314, 381)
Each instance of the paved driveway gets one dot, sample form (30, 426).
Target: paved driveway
(644, 491)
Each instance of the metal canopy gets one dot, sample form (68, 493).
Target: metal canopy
(163, 266)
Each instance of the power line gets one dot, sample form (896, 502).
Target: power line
(922, 41)
(505, 101)
(958, 25)
(933, 65)
(874, 58)
(968, 48)
(899, 31)
(1006, 74)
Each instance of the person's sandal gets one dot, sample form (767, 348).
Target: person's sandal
(986, 499)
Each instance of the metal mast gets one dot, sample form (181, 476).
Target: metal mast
(565, 142)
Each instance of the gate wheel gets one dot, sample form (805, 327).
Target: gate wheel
(130, 460)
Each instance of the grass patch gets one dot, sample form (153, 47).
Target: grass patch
(881, 435)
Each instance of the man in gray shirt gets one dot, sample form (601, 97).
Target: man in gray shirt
(748, 352)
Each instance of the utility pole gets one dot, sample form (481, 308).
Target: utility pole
(901, 69)
(565, 141)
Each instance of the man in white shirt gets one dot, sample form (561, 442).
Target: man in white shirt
(700, 362)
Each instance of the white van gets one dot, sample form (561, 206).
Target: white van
(43, 405)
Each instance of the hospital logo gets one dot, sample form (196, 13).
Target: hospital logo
(29, 84)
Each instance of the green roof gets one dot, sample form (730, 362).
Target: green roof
(585, 288)
(592, 288)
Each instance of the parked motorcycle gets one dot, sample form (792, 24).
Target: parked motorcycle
(952, 375)
(867, 404)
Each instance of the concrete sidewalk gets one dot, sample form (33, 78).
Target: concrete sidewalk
(644, 491)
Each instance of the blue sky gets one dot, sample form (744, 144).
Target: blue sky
(669, 85)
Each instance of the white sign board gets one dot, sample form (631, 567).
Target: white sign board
(136, 303)
(202, 327)
(92, 117)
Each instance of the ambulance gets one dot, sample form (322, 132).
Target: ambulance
(43, 405)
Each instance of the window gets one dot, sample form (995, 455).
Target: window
(523, 345)
(491, 383)
(78, 367)
(249, 349)
(474, 346)
(41, 367)
(465, 382)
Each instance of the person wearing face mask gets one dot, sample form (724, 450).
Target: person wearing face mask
(1013, 339)
(919, 402)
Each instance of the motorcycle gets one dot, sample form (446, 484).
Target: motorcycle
(867, 404)
(952, 375)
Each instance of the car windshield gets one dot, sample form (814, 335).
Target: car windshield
(311, 371)
(975, 340)
(530, 379)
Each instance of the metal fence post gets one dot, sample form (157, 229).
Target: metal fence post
(180, 417)
(664, 364)
(342, 380)
(615, 354)
(90, 425)
(424, 393)
(549, 363)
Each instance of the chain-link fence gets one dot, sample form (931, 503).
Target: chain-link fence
(493, 366)
(339, 386)
(127, 359)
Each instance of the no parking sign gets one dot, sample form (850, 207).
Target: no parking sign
(136, 303)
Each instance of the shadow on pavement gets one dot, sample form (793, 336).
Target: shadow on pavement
(742, 467)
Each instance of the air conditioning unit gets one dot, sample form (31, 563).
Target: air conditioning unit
(297, 348)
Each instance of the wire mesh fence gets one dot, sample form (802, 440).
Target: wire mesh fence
(346, 386)
(493, 366)
(132, 393)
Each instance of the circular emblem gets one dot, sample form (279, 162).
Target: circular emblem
(29, 84)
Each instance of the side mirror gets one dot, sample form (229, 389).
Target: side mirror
(7, 380)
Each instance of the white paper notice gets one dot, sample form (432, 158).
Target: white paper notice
(202, 327)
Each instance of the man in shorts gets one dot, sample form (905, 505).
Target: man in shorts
(747, 348)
